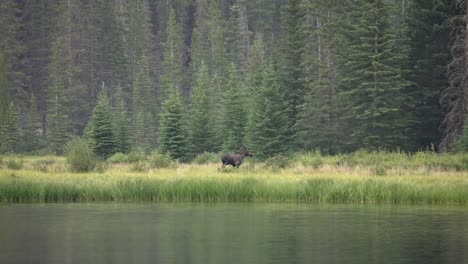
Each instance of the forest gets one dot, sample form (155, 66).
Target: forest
(192, 76)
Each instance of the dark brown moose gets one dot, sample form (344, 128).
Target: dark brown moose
(235, 159)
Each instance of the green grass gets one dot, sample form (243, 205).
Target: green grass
(425, 178)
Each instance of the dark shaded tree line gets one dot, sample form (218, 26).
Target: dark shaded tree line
(194, 76)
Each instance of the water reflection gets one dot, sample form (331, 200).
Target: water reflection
(231, 233)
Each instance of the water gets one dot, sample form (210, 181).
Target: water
(232, 233)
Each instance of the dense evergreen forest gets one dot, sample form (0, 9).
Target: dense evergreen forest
(193, 76)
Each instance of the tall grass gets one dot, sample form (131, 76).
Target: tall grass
(254, 183)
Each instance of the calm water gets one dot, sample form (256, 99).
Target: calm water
(232, 233)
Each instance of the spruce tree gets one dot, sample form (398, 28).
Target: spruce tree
(233, 36)
(143, 107)
(319, 117)
(462, 142)
(174, 138)
(174, 133)
(9, 130)
(171, 76)
(102, 135)
(121, 123)
(234, 112)
(203, 134)
(268, 131)
(430, 34)
(4, 94)
(30, 135)
(374, 87)
(292, 72)
(4, 97)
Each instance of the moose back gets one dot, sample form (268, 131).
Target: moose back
(235, 159)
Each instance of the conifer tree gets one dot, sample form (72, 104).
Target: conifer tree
(203, 134)
(375, 89)
(454, 97)
(292, 72)
(233, 36)
(4, 97)
(102, 135)
(234, 112)
(121, 123)
(9, 130)
(171, 76)
(462, 142)
(13, 49)
(30, 137)
(319, 117)
(111, 62)
(4, 94)
(430, 34)
(174, 138)
(143, 107)
(62, 69)
(268, 129)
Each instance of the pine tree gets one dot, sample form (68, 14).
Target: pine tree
(30, 135)
(374, 87)
(111, 62)
(234, 113)
(143, 107)
(174, 138)
(4, 97)
(233, 37)
(454, 97)
(319, 117)
(268, 128)
(13, 48)
(102, 135)
(462, 142)
(9, 130)
(121, 123)
(203, 134)
(430, 26)
(4, 94)
(62, 70)
(292, 71)
(171, 76)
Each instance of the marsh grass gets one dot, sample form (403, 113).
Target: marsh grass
(420, 178)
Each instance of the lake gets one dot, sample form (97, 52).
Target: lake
(232, 233)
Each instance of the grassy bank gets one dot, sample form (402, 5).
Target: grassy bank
(301, 178)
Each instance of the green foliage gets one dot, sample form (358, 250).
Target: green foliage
(157, 160)
(292, 73)
(234, 112)
(461, 144)
(171, 75)
(278, 162)
(174, 135)
(203, 133)
(14, 164)
(9, 130)
(101, 130)
(44, 165)
(143, 102)
(431, 26)
(131, 157)
(375, 90)
(4, 93)
(79, 155)
(121, 122)
(207, 157)
(31, 139)
(319, 121)
(268, 126)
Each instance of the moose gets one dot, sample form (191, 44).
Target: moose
(235, 159)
